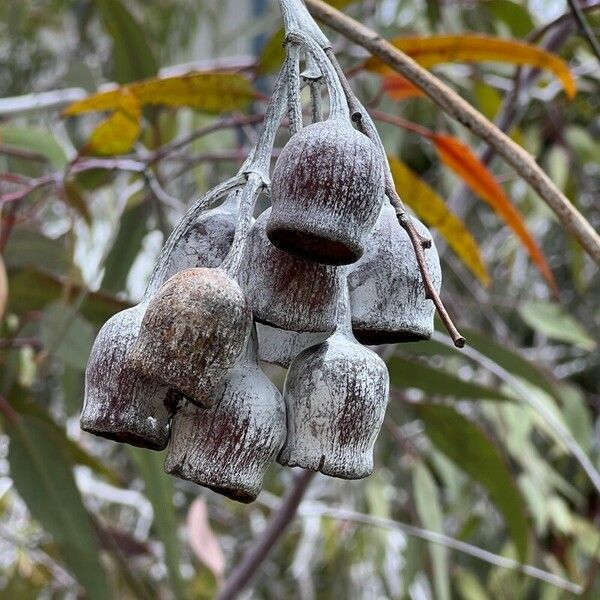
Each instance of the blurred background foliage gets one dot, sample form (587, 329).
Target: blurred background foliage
(463, 452)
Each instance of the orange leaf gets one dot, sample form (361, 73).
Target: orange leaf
(430, 207)
(433, 50)
(458, 157)
(400, 88)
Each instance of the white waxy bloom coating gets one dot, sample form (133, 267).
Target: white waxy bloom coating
(387, 295)
(327, 191)
(336, 394)
(280, 347)
(229, 446)
(286, 291)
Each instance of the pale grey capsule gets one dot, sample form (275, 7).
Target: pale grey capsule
(280, 347)
(207, 241)
(327, 190)
(336, 395)
(387, 295)
(119, 404)
(229, 446)
(194, 330)
(286, 291)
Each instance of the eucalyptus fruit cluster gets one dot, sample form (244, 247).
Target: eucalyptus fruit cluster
(324, 271)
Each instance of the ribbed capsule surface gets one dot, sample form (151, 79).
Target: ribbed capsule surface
(119, 404)
(229, 446)
(286, 291)
(207, 241)
(327, 190)
(336, 394)
(194, 330)
(280, 347)
(387, 295)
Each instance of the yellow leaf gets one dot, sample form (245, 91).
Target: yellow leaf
(3, 287)
(430, 207)
(433, 50)
(213, 92)
(118, 133)
(210, 92)
(458, 157)
(97, 102)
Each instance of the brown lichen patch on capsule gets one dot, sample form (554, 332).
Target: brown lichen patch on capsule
(285, 291)
(326, 190)
(119, 404)
(194, 330)
(387, 295)
(336, 395)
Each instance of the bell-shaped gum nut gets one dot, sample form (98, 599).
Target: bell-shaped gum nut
(387, 295)
(207, 241)
(286, 291)
(327, 189)
(194, 330)
(280, 347)
(119, 404)
(336, 395)
(229, 446)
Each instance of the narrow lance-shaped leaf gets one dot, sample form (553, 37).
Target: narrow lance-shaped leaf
(472, 451)
(41, 471)
(210, 91)
(459, 157)
(428, 506)
(432, 50)
(430, 207)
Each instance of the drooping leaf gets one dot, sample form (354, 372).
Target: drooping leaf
(210, 91)
(41, 471)
(132, 56)
(407, 373)
(430, 207)
(428, 506)
(118, 133)
(159, 490)
(459, 157)
(433, 50)
(473, 452)
(31, 289)
(203, 541)
(399, 88)
(75, 199)
(553, 321)
(21, 401)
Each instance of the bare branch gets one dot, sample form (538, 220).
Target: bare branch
(584, 26)
(261, 548)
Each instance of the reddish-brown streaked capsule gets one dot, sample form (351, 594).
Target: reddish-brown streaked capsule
(387, 295)
(229, 446)
(336, 395)
(286, 291)
(327, 190)
(194, 330)
(119, 404)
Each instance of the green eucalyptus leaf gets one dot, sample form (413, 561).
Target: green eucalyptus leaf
(473, 452)
(42, 473)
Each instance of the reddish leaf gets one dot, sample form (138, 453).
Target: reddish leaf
(400, 88)
(203, 541)
(458, 157)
